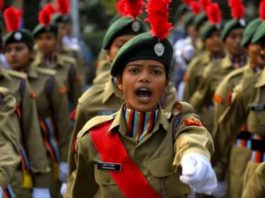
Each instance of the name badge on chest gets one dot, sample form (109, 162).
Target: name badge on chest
(109, 166)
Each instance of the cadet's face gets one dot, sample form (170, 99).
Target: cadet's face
(62, 30)
(254, 53)
(143, 82)
(233, 42)
(214, 43)
(192, 32)
(47, 43)
(117, 44)
(18, 55)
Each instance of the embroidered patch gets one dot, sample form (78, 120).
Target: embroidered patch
(218, 99)
(192, 122)
(63, 90)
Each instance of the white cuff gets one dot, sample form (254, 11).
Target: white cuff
(63, 171)
(41, 193)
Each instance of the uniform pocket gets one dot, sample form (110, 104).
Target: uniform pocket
(164, 179)
(256, 119)
(103, 177)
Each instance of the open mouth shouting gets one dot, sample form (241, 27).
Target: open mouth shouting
(143, 94)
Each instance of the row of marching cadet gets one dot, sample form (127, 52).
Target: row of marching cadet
(216, 66)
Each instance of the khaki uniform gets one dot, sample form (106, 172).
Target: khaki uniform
(158, 155)
(103, 73)
(66, 51)
(250, 92)
(194, 74)
(255, 187)
(222, 100)
(51, 101)
(30, 138)
(105, 99)
(66, 73)
(213, 75)
(9, 137)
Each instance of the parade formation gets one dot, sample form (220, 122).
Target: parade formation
(175, 109)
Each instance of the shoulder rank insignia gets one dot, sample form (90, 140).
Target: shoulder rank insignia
(192, 122)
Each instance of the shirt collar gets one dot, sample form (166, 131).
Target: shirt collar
(120, 123)
(111, 89)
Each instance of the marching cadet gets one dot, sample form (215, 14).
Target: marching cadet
(106, 98)
(211, 38)
(47, 56)
(222, 100)
(214, 72)
(62, 19)
(247, 107)
(9, 133)
(51, 103)
(33, 171)
(157, 142)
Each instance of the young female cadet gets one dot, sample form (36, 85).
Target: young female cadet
(51, 104)
(137, 152)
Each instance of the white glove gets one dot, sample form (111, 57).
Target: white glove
(198, 173)
(221, 189)
(41, 193)
(1, 193)
(63, 188)
(63, 171)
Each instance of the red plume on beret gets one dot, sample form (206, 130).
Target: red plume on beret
(195, 7)
(1, 4)
(63, 6)
(205, 4)
(12, 18)
(214, 14)
(187, 2)
(45, 15)
(237, 9)
(158, 14)
(262, 10)
(132, 8)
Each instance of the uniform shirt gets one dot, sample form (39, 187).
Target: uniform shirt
(223, 94)
(105, 99)
(66, 74)
(103, 73)
(51, 101)
(194, 74)
(250, 91)
(255, 187)
(158, 155)
(31, 138)
(9, 137)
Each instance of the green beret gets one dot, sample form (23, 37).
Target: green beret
(259, 34)
(59, 18)
(250, 31)
(122, 26)
(40, 29)
(199, 20)
(188, 19)
(207, 29)
(141, 47)
(231, 25)
(20, 36)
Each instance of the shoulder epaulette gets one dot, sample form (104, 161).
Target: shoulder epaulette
(235, 73)
(96, 121)
(184, 107)
(4, 91)
(45, 71)
(17, 74)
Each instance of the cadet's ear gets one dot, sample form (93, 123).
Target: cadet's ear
(119, 82)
